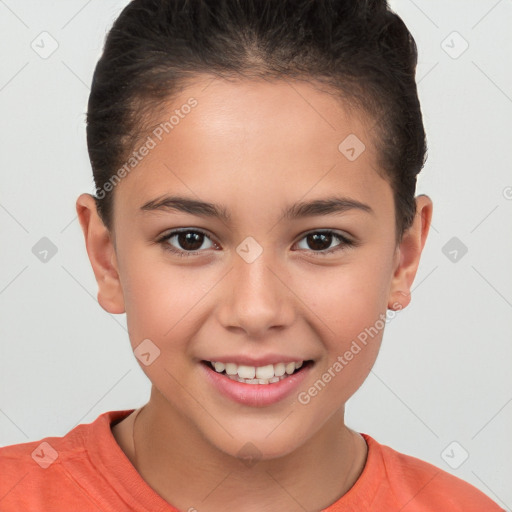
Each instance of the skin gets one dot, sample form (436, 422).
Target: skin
(254, 147)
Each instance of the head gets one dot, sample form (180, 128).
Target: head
(241, 113)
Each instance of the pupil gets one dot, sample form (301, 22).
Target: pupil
(190, 238)
(315, 237)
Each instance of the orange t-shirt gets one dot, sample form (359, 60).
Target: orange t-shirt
(86, 470)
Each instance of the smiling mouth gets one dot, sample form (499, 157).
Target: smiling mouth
(268, 374)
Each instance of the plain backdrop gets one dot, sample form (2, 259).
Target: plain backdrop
(441, 389)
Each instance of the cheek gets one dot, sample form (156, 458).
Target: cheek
(153, 296)
(351, 330)
(163, 302)
(160, 308)
(349, 305)
(348, 298)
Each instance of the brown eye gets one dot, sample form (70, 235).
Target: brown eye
(185, 241)
(320, 242)
(190, 240)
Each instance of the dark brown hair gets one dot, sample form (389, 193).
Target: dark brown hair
(360, 49)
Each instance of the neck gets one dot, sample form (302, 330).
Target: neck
(189, 473)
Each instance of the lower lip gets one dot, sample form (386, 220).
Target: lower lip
(256, 395)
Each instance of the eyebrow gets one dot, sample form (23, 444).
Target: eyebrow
(317, 207)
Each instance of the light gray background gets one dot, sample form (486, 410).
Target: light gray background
(443, 374)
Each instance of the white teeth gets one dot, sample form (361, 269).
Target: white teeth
(290, 368)
(246, 372)
(279, 369)
(264, 372)
(267, 374)
(231, 368)
(219, 367)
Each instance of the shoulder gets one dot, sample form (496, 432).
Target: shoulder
(43, 453)
(420, 486)
(33, 472)
(40, 472)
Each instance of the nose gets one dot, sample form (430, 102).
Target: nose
(256, 297)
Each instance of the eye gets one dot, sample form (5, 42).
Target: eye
(320, 241)
(189, 241)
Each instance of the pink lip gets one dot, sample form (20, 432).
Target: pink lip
(255, 395)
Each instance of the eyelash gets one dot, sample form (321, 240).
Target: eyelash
(344, 242)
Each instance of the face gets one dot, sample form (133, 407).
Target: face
(257, 289)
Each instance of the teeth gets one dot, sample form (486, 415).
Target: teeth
(268, 374)
(290, 368)
(231, 368)
(279, 369)
(246, 372)
(219, 367)
(264, 372)
(256, 381)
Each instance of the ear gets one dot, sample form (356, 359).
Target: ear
(102, 255)
(408, 254)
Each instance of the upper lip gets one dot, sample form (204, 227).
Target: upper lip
(256, 361)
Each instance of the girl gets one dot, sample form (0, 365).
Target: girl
(262, 130)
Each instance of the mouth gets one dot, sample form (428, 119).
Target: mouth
(263, 375)
(257, 386)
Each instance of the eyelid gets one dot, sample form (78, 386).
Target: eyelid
(330, 231)
(175, 231)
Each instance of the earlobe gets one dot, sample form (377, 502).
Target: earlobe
(409, 253)
(102, 256)
(399, 300)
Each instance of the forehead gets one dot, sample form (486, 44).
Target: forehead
(254, 138)
(268, 118)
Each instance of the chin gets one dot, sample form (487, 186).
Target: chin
(263, 440)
